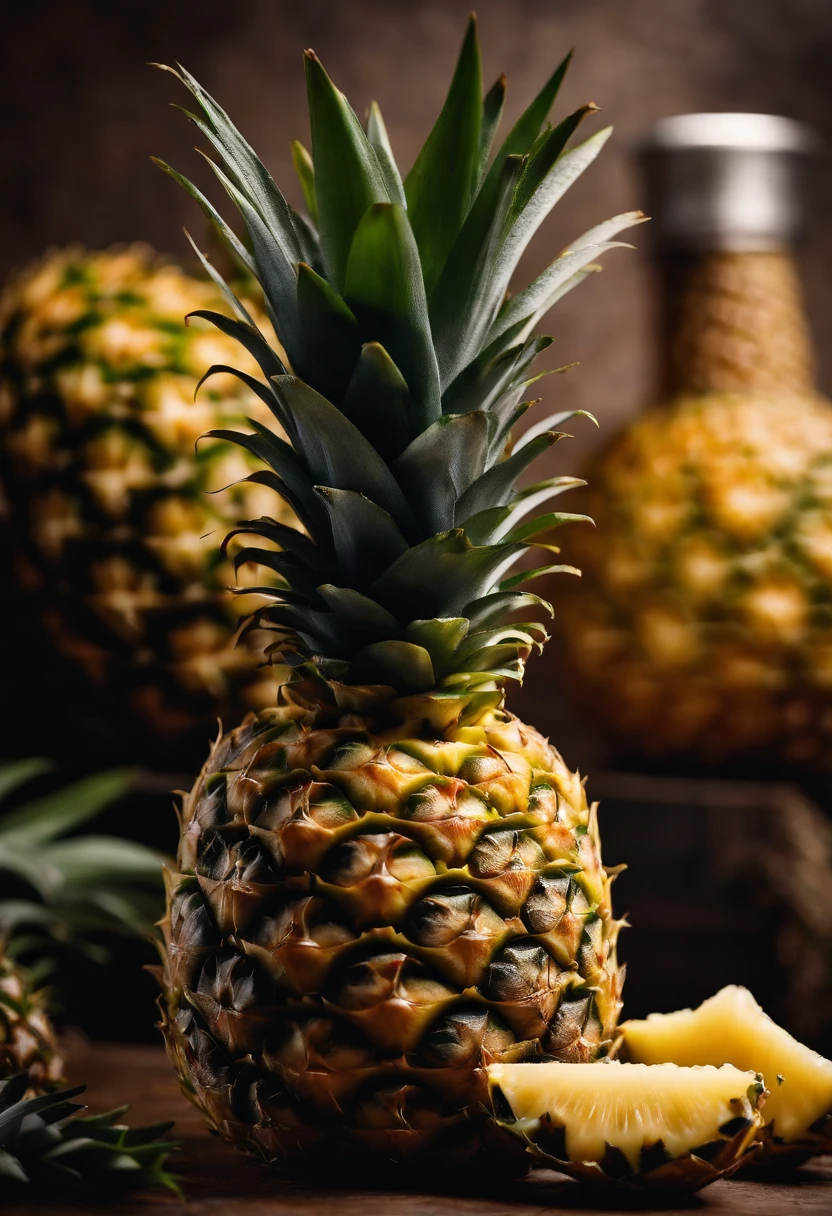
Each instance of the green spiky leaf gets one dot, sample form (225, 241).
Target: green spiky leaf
(523, 134)
(380, 143)
(46, 1140)
(331, 344)
(492, 111)
(384, 288)
(305, 170)
(441, 184)
(348, 178)
(411, 369)
(377, 400)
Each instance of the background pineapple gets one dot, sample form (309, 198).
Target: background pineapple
(27, 1037)
(703, 624)
(114, 537)
(387, 881)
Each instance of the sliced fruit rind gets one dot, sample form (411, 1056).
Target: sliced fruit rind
(780, 1154)
(735, 1144)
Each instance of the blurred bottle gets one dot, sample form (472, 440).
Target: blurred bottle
(702, 628)
(726, 195)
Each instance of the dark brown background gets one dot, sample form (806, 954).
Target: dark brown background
(81, 114)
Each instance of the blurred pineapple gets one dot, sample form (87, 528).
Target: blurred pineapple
(113, 536)
(703, 624)
(27, 1037)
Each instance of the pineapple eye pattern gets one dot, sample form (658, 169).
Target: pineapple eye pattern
(467, 1033)
(371, 969)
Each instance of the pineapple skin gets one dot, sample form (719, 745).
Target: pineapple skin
(703, 625)
(112, 531)
(362, 920)
(27, 1037)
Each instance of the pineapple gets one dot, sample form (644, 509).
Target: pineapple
(106, 495)
(732, 1027)
(27, 1038)
(631, 1124)
(702, 628)
(43, 1141)
(386, 880)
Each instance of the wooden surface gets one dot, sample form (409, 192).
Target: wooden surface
(218, 1181)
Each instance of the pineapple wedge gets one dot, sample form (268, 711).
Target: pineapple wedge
(631, 1124)
(732, 1028)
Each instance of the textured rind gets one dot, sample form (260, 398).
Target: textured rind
(705, 598)
(704, 1164)
(27, 1037)
(780, 1155)
(113, 526)
(360, 922)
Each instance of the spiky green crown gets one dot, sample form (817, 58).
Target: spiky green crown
(407, 368)
(42, 1140)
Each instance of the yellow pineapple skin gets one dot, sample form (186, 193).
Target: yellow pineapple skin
(109, 502)
(364, 916)
(702, 626)
(732, 1028)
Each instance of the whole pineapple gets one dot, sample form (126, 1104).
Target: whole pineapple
(702, 627)
(106, 497)
(387, 881)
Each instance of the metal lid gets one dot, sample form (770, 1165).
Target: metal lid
(726, 181)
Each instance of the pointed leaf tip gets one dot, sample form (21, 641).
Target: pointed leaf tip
(347, 172)
(384, 288)
(442, 182)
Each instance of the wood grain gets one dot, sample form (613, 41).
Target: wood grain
(218, 1181)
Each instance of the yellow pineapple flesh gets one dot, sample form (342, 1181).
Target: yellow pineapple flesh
(631, 1122)
(731, 1027)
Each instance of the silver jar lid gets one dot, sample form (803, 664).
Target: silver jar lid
(726, 181)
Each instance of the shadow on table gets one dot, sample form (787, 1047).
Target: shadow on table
(430, 1193)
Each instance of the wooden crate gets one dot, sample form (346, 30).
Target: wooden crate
(728, 881)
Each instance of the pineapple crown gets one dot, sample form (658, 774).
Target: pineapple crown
(43, 1140)
(404, 367)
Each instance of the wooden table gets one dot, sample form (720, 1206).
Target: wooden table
(218, 1181)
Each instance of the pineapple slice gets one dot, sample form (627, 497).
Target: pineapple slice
(631, 1123)
(731, 1027)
